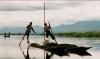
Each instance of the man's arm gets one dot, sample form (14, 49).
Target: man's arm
(33, 30)
(49, 25)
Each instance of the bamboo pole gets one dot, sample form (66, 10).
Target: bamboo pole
(44, 29)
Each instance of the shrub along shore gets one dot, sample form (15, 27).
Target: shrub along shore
(66, 34)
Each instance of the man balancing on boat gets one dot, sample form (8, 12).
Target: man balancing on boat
(48, 31)
(27, 32)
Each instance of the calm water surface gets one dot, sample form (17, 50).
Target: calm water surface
(9, 48)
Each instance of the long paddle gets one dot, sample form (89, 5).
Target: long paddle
(20, 42)
(52, 32)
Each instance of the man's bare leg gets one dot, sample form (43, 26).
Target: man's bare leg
(28, 39)
(23, 37)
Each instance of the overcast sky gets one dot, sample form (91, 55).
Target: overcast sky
(20, 13)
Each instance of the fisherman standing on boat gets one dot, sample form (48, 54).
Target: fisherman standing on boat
(28, 30)
(48, 32)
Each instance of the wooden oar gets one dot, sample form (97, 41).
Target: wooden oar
(52, 32)
(20, 42)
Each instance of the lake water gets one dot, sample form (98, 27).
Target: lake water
(9, 48)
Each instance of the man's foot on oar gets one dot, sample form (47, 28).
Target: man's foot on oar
(55, 41)
(28, 42)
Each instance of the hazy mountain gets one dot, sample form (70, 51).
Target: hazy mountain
(37, 28)
(81, 26)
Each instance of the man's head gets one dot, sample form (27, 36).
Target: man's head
(45, 23)
(30, 23)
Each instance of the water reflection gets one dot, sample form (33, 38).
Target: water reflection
(26, 56)
(48, 56)
(9, 48)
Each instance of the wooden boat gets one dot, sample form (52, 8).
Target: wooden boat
(63, 49)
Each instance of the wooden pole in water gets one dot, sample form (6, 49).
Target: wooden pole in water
(44, 28)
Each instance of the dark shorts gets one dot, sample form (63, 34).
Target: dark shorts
(49, 33)
(27, 33)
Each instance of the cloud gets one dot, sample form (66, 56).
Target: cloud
(23, 6)
(34, 5)
(65, 3)
(49, 0)
(18, 6)
(20, 13)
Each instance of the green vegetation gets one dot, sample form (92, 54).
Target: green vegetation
(80, 34)
(67, 34)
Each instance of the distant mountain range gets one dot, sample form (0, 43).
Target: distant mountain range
(81, 26)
